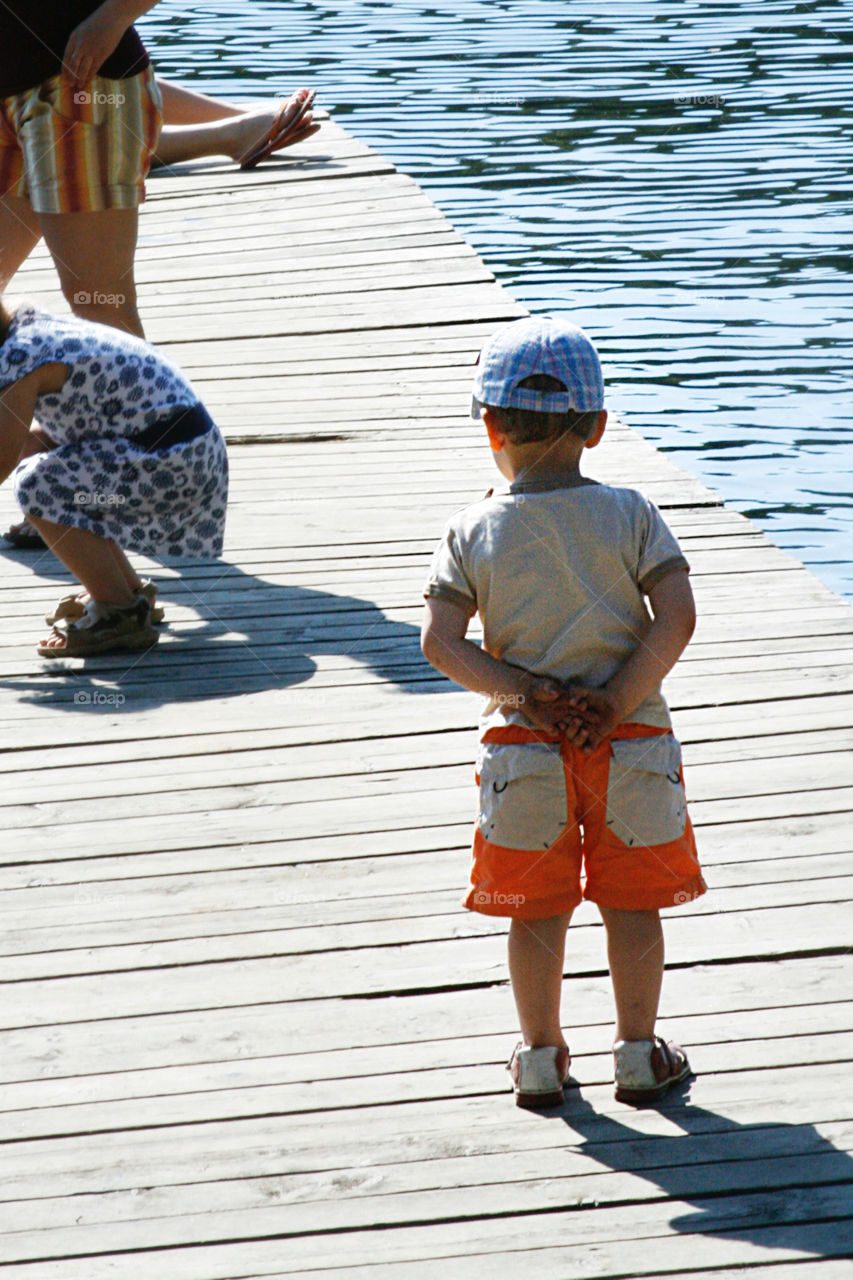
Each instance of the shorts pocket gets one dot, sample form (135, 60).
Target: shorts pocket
(645, 794)
(523, 801)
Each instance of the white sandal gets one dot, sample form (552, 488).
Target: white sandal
(645, 1069)
(538, 1075)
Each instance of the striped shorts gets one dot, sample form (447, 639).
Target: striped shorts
(69, 149)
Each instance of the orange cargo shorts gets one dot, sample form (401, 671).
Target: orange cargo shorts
(557, 824)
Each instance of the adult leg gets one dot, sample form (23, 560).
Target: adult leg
(535, 950)
(94, 256)
(635, 952)
(19, 234)
(185, 106)
(234, 134)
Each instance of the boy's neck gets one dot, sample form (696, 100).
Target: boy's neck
(541, 458)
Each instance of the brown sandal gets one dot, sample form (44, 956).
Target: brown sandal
(103, 629)
(73, 606)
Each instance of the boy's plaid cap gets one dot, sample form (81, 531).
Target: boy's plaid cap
(539, 344)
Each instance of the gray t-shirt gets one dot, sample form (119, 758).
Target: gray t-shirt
(557, 569)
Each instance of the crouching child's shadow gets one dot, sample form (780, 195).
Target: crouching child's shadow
(228, 632)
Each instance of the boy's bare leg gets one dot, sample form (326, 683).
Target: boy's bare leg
(90, 559)
(635, 952)
(536, 949)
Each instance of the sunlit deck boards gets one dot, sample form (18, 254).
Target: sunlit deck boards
(247, 1029)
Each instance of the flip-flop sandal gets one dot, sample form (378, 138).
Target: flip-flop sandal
(103, 629)
(73, 606)
(279, 133)
(25, 537)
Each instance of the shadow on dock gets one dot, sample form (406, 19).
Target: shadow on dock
(724, 1169)
(251, 635)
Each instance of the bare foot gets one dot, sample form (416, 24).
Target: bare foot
(54, 641)
(246, 138)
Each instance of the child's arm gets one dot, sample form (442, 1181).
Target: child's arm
(17, 405)
(657, 653)
(445, 647)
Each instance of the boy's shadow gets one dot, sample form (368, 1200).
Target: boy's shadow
(248, 635)
(750, 1182)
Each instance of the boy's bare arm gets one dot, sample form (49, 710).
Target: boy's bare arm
(604, 708)
(540, 700)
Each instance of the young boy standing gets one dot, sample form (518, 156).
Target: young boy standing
(578, 767)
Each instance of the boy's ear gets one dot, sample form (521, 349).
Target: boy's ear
(495, 434)
(594, 439)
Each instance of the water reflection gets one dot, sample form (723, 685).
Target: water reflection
(672, 172)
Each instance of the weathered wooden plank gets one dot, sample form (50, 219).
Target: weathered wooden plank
(393, 968)
(147, 939)
(823, 780)
(324, 1200)
(233, 761)
(695, 1004)
(256, 1155)
(790, 1207)
(545, 1263)
(242, 1090)
(230, 1147)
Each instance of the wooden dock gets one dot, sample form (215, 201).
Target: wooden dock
(247, 1029)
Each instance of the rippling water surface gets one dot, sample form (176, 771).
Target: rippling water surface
(674, 174)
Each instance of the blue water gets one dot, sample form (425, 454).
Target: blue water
(673, 174)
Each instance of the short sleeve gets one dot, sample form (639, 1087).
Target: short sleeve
(447, 579)
(659, 552)
(25, 348)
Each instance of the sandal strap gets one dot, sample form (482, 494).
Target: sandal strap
(667, 1053)
(94, 615)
